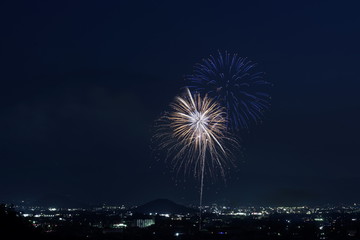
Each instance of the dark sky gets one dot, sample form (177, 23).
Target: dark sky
(83, 81)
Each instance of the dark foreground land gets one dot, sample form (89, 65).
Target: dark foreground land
(108, 223)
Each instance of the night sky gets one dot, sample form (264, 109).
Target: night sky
(82, 83)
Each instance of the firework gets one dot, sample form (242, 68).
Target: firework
(195, 136)
(234, 83)
(195, 130)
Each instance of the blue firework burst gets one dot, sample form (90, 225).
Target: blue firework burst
(236, 84)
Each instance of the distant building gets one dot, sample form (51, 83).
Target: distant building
(143, 223)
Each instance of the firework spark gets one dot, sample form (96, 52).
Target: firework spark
(194, 134)
(194, 131)
(234, 83)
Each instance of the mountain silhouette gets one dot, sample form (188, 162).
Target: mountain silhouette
(164, 206)
(58, 200)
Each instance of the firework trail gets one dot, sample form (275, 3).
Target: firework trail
(234, 83)
(194, 134)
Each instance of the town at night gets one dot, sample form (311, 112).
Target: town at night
(234, 120)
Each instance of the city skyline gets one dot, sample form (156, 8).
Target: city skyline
(163, 219)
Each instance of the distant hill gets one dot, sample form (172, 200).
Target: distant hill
(163, 206)
(56, 200)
